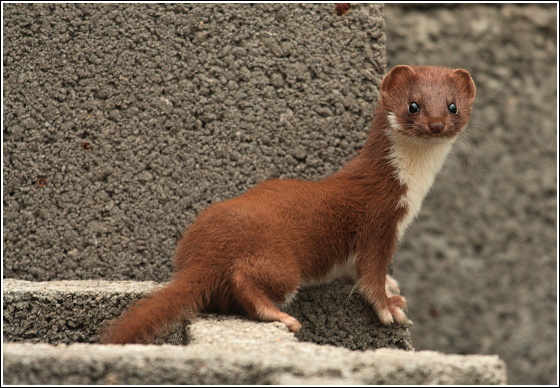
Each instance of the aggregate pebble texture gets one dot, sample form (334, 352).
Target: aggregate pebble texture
(66, 311)
(122, 122)
(479, 265)
(336, 314)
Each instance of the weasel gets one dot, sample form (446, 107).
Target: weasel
(252, 253)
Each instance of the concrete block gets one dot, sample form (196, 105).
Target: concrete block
(219, 349)
(76, 311)
(123, 121)
(241, 352)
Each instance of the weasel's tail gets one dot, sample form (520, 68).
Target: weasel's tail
(150, 315)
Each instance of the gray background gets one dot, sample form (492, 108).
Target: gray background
(122, 122)
(479, 266)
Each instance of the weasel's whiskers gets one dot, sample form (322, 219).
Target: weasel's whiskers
(347, 302)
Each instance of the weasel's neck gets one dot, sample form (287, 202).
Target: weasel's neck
(394, 165)
(416, 165)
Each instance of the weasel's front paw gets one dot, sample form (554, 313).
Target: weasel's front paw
(396, 305)
(397, 301)
(394, 312)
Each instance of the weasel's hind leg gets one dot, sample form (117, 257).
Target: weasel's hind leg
(259, 285)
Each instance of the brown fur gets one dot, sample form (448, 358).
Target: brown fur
(249, 253)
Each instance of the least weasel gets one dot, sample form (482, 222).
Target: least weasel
(252, 253)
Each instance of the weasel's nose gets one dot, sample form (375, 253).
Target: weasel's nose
(436, 127)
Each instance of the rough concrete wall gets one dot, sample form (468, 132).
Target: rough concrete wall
(479, 266)
(122, 122)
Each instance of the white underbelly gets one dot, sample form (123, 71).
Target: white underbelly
(344, 269)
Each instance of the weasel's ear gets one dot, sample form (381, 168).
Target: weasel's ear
(396, 78)
(465, 82)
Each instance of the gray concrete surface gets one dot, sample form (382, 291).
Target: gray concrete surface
(250, 353)
(77, 310)
(220, 350)
(335, 314)
(122, 122)
(479, 265)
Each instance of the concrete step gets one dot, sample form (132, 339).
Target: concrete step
(228, 350)
(51, 330)
(76, 311)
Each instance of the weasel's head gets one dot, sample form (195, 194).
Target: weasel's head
(427, 103)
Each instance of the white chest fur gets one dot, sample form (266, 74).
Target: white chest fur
(416, 163)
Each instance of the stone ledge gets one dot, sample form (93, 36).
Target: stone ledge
(76, 311)
(241, 362)
(220, 350)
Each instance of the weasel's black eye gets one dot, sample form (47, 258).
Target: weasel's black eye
(413, 107)
(452, 108)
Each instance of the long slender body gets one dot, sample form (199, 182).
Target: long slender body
(252, 253)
